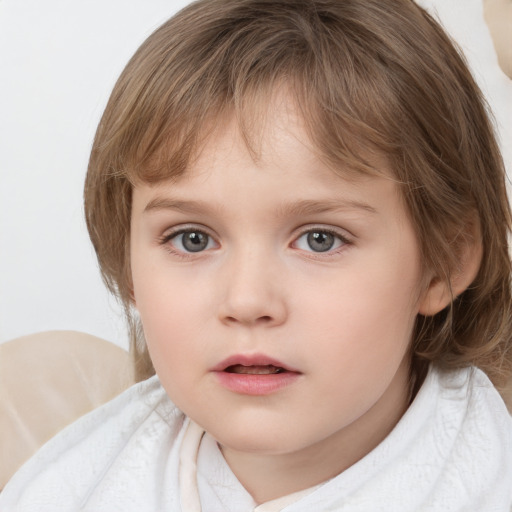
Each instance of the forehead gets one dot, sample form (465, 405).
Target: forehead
(272, 130)
(278, 164)
(268, 122)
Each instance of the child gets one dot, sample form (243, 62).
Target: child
(302, 206)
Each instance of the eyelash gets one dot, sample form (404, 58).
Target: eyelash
(342, 239)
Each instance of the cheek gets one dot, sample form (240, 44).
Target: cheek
(174, 346)
(365, 317)
(170, 312)
(360, 343)
(166, 296)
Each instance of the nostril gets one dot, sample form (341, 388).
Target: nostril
(265, 319)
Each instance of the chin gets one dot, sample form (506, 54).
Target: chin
(262, 441)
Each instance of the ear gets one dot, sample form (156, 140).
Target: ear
(441, 293)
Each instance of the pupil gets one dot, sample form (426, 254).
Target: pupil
(195, 241)
(320, 241)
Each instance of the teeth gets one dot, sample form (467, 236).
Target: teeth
(254, 370)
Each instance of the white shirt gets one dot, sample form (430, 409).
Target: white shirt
(451, 451)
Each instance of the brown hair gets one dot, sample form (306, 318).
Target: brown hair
(382, 73)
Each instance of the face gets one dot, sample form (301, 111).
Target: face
(274, 293)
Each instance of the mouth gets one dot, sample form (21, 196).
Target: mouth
(255, 374)
(267, 369)
(253, 364)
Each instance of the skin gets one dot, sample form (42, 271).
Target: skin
(341, 318)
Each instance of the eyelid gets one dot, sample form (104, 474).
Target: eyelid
(343, 234)
(173, 231)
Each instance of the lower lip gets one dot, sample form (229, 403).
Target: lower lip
(256, 385)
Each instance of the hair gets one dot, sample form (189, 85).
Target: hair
(365, 74)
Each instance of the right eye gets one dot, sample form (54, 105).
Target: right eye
(190, 240)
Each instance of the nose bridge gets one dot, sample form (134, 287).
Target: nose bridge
(253, 293)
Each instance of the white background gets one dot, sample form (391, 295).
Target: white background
(58, 62)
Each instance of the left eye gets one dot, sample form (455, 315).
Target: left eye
(191, 241)
(318, 240)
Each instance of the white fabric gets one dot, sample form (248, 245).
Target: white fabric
(215, 483)
(451, 451)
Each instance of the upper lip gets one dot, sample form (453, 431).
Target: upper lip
(252, 360)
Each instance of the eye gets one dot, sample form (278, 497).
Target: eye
(319, 240)
(191, 240)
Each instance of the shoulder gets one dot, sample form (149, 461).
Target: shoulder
(128, 432)
(474, 417)
(470, 392)
(473, 387)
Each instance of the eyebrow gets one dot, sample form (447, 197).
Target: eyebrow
(301, 207)
(312, 207)
(164, 203)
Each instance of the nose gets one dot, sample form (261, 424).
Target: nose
(253, 291)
